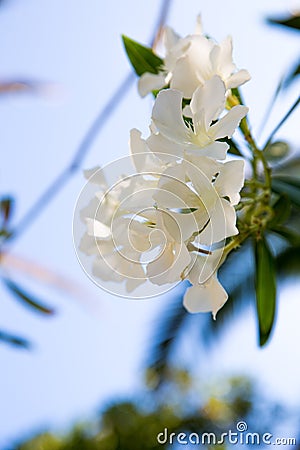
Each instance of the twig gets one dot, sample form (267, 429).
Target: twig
(98, 124)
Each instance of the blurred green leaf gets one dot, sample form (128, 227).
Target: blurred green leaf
(16, 341)
(6, 209)
(288, 262)
(290, 235)
(295, 71)
(287, 185)
(291, 167)
(168, 331)
(26, 298)
(283, 120)
(276, 151)
(290, 21)
(265, 285)
(142, 58)
(282, 210)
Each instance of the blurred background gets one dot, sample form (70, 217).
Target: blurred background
(71, 353)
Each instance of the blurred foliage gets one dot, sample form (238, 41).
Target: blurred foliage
(290, 22)
(183, 407)
(7, 205)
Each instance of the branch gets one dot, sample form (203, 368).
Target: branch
(97, 125)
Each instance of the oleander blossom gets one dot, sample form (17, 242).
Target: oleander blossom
(170, 220)
(192, 60)
(171, 135)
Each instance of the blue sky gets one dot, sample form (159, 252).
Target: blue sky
(94, 347)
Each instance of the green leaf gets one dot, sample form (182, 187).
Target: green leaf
(281, 209)
(290, 168)
(265, 285)
(292, 75)
(276, 151)
(283, 120)
(289, 186)
(16, 341)
(142, 58)
(26, 298)
(290, 235)
(6, 209)
(290, 22)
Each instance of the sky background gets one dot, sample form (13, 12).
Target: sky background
(94, 347)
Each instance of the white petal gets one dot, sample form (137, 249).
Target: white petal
(216, 150)
(231, 180)
(143, 159)
(170, 38)
(164, 147)
(226, 126)
(203, 187)
(198, 28)
(222, 224)
(208, 297)
(97, 229)
(88, 245)
(170, 265)
(207, 165)
(204, 266)
(222, 60)
(172, 190)
(237, 79)
(149, 82)
(211, 98)
(167, 115)
(96, 176)
(185, 77)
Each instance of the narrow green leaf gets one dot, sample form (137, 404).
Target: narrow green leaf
(288, 186)
(265, 285)
(142, 58)
(26, 298)
(281, 209)
(295, 71)
(283, 120)
(290, 168)
(6, 208)
(290, 235)
(290, 22)
(16, 341)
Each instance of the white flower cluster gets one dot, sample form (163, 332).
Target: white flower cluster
(169, 221)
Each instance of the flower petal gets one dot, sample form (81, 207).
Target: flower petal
(167, 116)
(211, 98)
(204, 266)
(170, 264)
(237, 79)
(144, 160)
(226, 126)
(207, 297)
(222, 224)
(149, 82)
(231, 180)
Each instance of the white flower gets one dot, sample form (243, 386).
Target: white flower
(206, 297)
(192, 60)
(206, 293)
(172, 136)
(208, 205)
